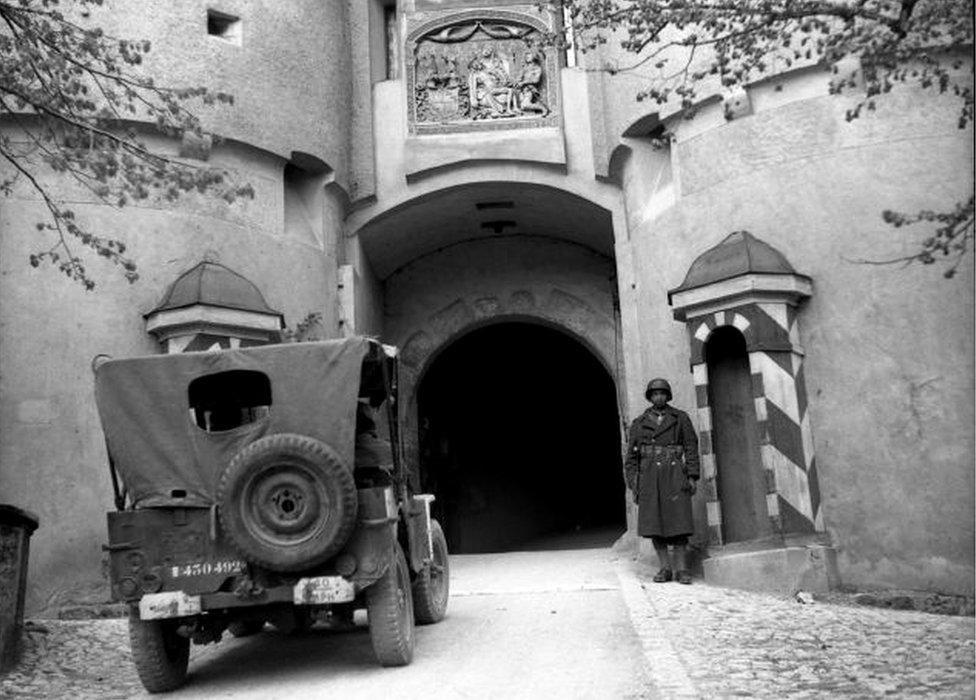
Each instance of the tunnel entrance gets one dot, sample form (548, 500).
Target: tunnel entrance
(520, 442)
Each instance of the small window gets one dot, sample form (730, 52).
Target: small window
(384, 40)
(392, 32)
(224, 26)
(228, 400)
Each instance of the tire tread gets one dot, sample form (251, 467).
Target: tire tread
(147, 640)
(427, 610)
(392, 644)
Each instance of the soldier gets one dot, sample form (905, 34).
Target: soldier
(372, 451)
(661, 471)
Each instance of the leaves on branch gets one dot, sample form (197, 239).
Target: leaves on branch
(304, 330)
(950, 239)
(77, 103)
(687, 50)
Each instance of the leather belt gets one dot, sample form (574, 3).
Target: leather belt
(662, 450)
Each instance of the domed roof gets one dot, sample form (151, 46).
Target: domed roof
(740, 253)
(212, 284)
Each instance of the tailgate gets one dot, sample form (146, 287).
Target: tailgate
(167, 549)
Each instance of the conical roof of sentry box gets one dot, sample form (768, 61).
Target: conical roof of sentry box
(740, 253)
(213, 284)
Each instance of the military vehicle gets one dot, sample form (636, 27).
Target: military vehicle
(254, 486)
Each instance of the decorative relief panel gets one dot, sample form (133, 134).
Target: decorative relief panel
(479, 71)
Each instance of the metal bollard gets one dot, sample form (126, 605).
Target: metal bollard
(16, 528)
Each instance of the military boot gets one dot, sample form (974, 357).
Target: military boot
(665, 574)
(681, 564)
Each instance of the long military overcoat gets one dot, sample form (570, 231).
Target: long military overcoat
(659, 477)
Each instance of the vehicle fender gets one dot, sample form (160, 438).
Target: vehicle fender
(372, 541)
(418, 531)
(373, 549)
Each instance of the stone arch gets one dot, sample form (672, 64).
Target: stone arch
(549, 306)
(465, 174)
(764, 327)
(441, 276)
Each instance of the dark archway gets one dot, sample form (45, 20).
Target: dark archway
(741, 487)
(520, 442)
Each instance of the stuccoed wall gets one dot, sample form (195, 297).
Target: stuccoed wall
(52, 457)
(289, 75)
(888, 349)
(293, 61)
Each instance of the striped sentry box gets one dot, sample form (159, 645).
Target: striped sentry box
(778, 388)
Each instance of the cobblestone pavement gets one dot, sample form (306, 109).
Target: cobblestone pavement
(732, 643)
(84, 659)
(697, 641)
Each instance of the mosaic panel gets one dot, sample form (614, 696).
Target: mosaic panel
(481, 71)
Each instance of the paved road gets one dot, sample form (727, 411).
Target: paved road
(567, 624)
(519, 626)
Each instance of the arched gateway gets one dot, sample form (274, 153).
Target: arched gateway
(528, 269)
(519, 440)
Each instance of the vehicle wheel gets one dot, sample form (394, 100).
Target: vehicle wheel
(287, 502)
(159, 653)
(245, 628)
(389, 609)
(432, 587)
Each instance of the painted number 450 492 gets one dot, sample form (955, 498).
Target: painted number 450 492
(207, 568)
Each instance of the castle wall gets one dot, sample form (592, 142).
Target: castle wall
(887, 376)
(288, 69)
(888, 365)
(52, 456)
(795, 173)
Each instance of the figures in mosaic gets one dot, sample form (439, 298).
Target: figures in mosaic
(490, 86)
(451, 79)
(479, 71)
(529, 85)
(426, 70)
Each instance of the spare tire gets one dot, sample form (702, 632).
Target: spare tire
(287, 502)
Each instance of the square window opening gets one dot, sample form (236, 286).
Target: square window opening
(224, 26)
(228, 400)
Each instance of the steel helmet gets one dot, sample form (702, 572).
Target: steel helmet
(658, 384)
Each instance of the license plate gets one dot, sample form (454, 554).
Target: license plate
(318, 590)
(206, 568)
(160, 606)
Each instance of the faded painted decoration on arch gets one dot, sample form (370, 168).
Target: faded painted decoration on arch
(480, 71)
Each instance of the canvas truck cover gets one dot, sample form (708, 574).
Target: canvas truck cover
(156, 444)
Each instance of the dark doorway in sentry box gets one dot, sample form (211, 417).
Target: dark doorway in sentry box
(520, 442)
(735, 438)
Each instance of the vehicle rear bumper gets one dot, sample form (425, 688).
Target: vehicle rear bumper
(312, 590)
